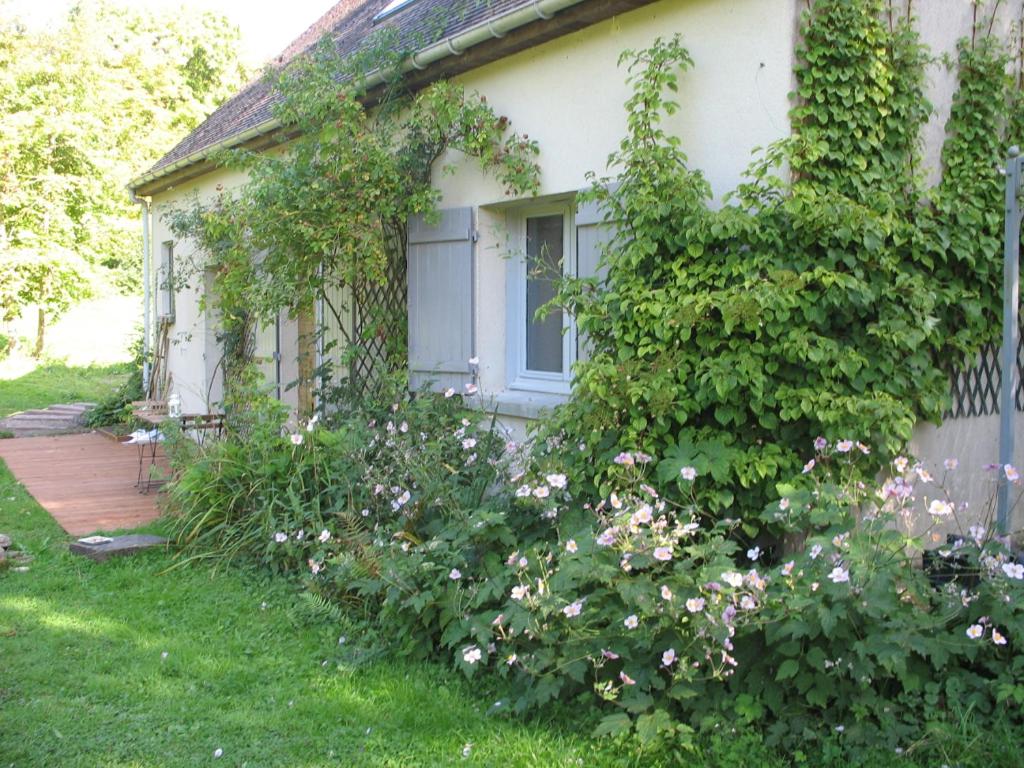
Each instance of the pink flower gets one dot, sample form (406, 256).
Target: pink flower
(472, 654)
(626, 679)
(808, 466)
(570, 546)
(950, 464)
(296, 439)
(573, 609)
(314, 566)
(556, 481)
(520, 592)
(688, 473)
(541, 492)
(631, 621)
(1013, 570)
(1011, 473)
(666, 593)
(471, 389)
(280, 537)
(455, 574)
(998, 638)
(609, 654)
(788, 568)
(668, 658)
(975, 631)
(625, 459)
(663, 553)
(820, 443)
(844, 446)
(449, 393)
(839, 575)
(324, 536)
(695, 604)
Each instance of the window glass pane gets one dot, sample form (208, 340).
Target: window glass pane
(543, 269)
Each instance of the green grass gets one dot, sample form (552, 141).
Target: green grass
(83, 681)
(56, 382)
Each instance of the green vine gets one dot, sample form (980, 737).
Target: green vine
(830, 303)
(326, 217)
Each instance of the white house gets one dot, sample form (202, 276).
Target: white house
(551, 66)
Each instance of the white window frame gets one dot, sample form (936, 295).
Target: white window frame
(520, 377)
(165, 282)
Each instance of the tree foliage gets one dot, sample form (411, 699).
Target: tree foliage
(85, 106)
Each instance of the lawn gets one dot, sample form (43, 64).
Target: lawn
(125, 664)
(56, 382)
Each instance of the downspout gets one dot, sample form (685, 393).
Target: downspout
(144, 211)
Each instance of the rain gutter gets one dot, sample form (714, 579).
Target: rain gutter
(537, 10)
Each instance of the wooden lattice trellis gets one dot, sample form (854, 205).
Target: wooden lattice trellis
(975, 390)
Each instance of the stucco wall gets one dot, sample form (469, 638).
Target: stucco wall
(974, 443)
(193, 350)
(569, 94)
(941, 24)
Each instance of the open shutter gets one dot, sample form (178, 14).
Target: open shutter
(593, 233)
(441, 300)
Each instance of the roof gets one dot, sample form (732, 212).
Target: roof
(350, 24)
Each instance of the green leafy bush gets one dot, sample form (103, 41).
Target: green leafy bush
(831, 303)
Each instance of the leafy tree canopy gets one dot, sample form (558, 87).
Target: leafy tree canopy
(84, 106)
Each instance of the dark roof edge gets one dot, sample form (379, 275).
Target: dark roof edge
(491, 29)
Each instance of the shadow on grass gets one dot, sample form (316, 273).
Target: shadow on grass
(86, 681)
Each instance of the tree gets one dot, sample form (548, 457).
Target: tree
(84, 107)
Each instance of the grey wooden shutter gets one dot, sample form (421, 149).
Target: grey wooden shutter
(593, 234)
(441, 301)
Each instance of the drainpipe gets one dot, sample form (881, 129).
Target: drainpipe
(144, 211)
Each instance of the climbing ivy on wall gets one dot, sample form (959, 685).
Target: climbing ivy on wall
(832, 302)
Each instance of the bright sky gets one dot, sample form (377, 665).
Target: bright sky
(267, 27)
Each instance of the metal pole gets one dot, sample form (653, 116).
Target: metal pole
(1011, 289)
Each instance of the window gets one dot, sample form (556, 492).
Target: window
(541, 351)
(393, 7)
(165, 281)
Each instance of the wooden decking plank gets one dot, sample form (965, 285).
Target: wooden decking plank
(86, 482)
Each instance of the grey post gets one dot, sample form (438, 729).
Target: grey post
(1011, 289)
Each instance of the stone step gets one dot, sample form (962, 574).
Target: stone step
(116, 547)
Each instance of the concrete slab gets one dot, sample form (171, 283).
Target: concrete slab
(118, 546)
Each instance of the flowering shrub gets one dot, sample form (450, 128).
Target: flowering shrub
(658, 612)
(452, 541)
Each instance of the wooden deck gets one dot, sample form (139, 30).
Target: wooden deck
(87, 482)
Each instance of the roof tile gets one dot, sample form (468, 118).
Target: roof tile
(350, 24)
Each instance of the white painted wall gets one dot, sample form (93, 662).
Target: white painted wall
(941, 23)
(974, 443)
(569, 94)
(193, 350)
